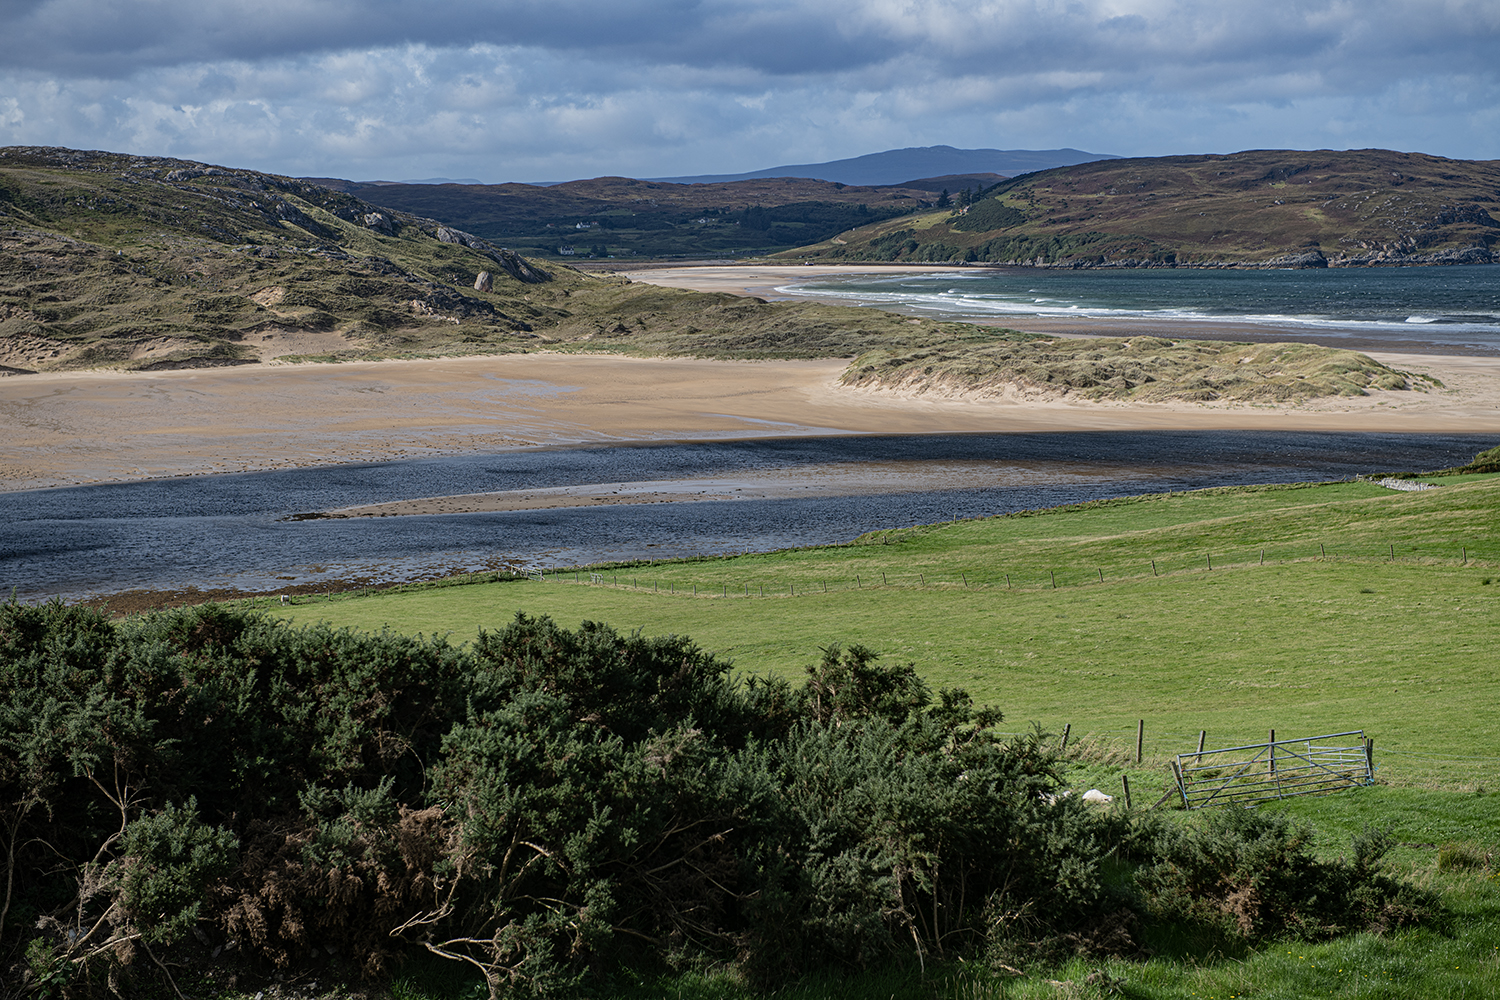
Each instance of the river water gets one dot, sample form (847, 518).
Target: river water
(233, 531)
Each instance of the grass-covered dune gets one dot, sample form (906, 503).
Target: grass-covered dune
(1145, 369)
(110, 260)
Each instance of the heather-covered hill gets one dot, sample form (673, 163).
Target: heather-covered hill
(1275, 208)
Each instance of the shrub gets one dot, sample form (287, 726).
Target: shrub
(1253, 876)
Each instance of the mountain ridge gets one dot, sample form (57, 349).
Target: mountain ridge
(893, 166)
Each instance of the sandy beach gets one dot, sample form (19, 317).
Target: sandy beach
(107, 426)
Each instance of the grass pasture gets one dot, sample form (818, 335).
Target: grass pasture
(1372, 609)
(1331, 632)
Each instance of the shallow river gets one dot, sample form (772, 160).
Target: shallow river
(233, 531)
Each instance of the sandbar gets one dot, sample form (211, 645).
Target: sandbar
(69, 428)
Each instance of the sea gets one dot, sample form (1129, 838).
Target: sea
(239, 531)
(1434, 309)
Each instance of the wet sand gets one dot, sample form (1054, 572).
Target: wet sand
(823, 480)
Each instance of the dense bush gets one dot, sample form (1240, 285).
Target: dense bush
(1253, 876)
(550, 806)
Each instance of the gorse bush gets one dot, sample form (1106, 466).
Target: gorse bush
(553, 807)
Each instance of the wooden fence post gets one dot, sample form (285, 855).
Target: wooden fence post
(1140, 738)
(1066, 730)
(1202, 735)
(1125, 783)
(1272, 747)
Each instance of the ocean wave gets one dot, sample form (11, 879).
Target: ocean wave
(957, 303)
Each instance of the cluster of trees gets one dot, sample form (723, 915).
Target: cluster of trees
(549, 806)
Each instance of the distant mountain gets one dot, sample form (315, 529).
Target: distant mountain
(897, 165)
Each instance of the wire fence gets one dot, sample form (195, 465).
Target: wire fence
(698, 577)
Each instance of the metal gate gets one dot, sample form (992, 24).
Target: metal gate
(1276, 769)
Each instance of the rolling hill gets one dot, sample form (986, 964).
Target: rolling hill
(1264, 208)
(620, 216)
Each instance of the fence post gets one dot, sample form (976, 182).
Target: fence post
(1054, 579)
(1271, 743)
(1101, 576)
(1066, 730)
(1370, 759)
(1140, 738)
(1181, 783)
(1007, 581)
(1153, 567)
(1125, 783)
(1210, 560)
(1202, 735)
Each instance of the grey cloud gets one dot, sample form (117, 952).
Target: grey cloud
(113, 38)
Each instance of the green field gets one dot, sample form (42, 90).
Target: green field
(1330, 633)
(1372, 609)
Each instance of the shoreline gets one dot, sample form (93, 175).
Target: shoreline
(752, 280)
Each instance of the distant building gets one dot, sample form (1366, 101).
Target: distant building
(566, 251)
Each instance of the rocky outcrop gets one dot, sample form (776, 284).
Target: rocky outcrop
(484, 282)
(380, 223)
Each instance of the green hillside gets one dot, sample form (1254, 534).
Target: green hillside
(1276, 208)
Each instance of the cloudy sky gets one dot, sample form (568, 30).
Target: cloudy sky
(557, 89)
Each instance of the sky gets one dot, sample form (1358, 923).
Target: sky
(548, 90)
